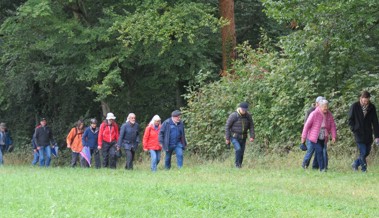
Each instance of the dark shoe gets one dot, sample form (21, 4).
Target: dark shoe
(354, 167)
(304, 166)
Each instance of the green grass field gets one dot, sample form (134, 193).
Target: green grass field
(200, 189)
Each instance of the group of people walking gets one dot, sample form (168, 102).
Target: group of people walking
(109, 140)
(319, 126)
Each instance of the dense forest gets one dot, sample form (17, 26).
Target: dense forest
(74, 59)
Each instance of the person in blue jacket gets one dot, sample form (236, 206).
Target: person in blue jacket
(172, 138)
(6, 143)
(89, 139)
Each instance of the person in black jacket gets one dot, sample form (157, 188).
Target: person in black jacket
(237, 125)
(363, 122)
(44, 139)
(129, 139)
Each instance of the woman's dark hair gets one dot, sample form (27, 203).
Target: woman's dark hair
(78, 123)
(365, 94)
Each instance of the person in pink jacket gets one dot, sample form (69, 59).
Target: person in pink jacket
(319, 126)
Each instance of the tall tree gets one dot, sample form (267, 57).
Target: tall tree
(228, 33)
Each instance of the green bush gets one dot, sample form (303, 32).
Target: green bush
(278, 93)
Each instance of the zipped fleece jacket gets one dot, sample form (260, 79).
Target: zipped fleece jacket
(108, 133)
(362, 126)
(312, 127)
(150, 138)
(74, 139)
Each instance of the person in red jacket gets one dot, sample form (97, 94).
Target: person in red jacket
(151, 143)
(107, 141)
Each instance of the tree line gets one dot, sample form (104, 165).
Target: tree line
(67, 60)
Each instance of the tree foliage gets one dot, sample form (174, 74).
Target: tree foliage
(60, 59)
(331, 51)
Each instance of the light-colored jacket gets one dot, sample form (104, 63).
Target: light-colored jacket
(312, 127)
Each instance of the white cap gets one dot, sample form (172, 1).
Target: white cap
(110, 116)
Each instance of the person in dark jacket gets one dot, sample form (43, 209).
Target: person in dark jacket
(237, 126)
(34, 145)
(7, 138)
(172, 138)
(129, 139)
(363, 122)
(89, 139)
(44, 139)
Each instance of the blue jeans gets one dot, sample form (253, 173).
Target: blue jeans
(155, 157)
(309, 154)
(35, 157)
(319, 149)
(44, 161)
(364, 151)
(178, 148)
(239, 147)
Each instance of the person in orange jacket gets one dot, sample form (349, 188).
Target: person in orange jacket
(151, 143)
(74, 141)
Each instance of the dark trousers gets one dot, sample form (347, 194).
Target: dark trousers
(96, 155)
(239, 147)
(109, 154)
(129, 158)
(364, 151)
(74, 157)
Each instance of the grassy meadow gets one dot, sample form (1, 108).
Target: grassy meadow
(264, 187)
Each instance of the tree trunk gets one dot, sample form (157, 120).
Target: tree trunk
(105, 108)
(228, 34)
(178, 96)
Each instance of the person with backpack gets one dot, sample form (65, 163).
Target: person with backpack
(107, 141)
(151, 143)
(74, 141)
(237, 125)
(129, 139)
(89, 139)
(172, 138)
(44, 141)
